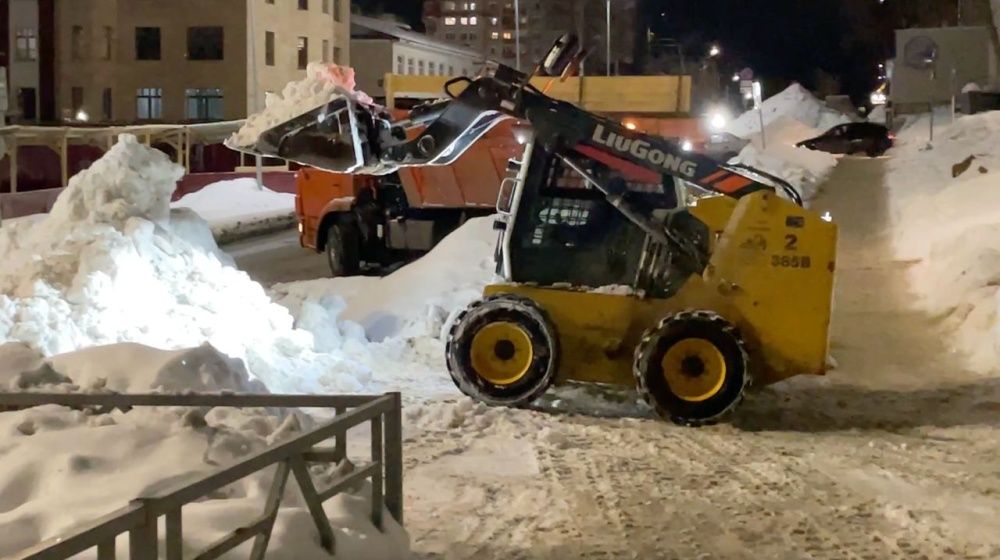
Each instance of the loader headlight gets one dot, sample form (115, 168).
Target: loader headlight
(686, 145)
(827, 217)
(522, 133)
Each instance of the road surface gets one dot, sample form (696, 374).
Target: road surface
(893, 455)
(277, 257)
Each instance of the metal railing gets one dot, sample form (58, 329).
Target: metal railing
(140, 518)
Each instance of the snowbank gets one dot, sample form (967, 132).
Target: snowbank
(795, 102)
(110, 264)
(417, 299)
(945, 211)
(63, 467)
(240, 207)
(805, 169)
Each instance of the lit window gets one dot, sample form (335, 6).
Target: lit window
(473, 20)
(494, 35)
(27, 45)
(507, 35)
(149, 103)
(472, 6)
(494, 20)
(449, 21)
(204, 104)
(464, 21)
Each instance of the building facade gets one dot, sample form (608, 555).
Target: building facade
(27, 55)
(491, 28)
(387, 47)
(182, 60)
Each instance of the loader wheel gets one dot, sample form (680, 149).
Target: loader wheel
(692, 368)
(343, 249)
(503, 351)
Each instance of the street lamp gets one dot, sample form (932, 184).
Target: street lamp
(714, 51)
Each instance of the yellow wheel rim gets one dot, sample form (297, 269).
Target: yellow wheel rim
(694, 369)
(501, 353)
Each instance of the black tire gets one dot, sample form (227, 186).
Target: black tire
(540, 366)
(343, 249)
(726, 392)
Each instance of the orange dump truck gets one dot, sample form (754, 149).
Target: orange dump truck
(360, 220)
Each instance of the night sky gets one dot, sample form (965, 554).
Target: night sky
(782, 40)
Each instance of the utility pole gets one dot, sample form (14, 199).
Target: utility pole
(607, 5)
(517, 33)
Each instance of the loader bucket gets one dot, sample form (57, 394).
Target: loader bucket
(332, 137)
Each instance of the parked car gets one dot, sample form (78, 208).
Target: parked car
(852, 138)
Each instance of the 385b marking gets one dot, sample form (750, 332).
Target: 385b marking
(790, 261)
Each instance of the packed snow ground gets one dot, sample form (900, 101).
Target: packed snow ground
(239, 207)
(790, 117)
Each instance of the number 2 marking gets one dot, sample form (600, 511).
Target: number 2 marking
(791, 242)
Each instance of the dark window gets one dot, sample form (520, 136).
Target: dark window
(147, 43)
(108, 43)
(326, 6)
(205, 43)
(303, 4)
(204, 104)
(326, 50)
(149, 103)
(77, 99)
(269, 1)
(27, 99)
(336, 10)
(303, 52)
(106, 104)
(76, 43)
(336, 55)
(269, 48)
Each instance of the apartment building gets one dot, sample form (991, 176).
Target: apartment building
(490, 27)
(187, 60)
(388, 47)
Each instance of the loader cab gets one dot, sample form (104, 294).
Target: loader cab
(559, 229)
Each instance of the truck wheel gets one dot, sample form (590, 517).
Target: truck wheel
(503, 351)
(692, 368)
(343, 249)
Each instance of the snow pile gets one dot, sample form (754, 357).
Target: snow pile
(418, 299)
(797, 103)
(805, 169)
(110, 264)
(945, 203)
(240, 206)
(322, 84)
(64, 467)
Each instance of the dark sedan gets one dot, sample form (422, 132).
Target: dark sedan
(852, 138)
